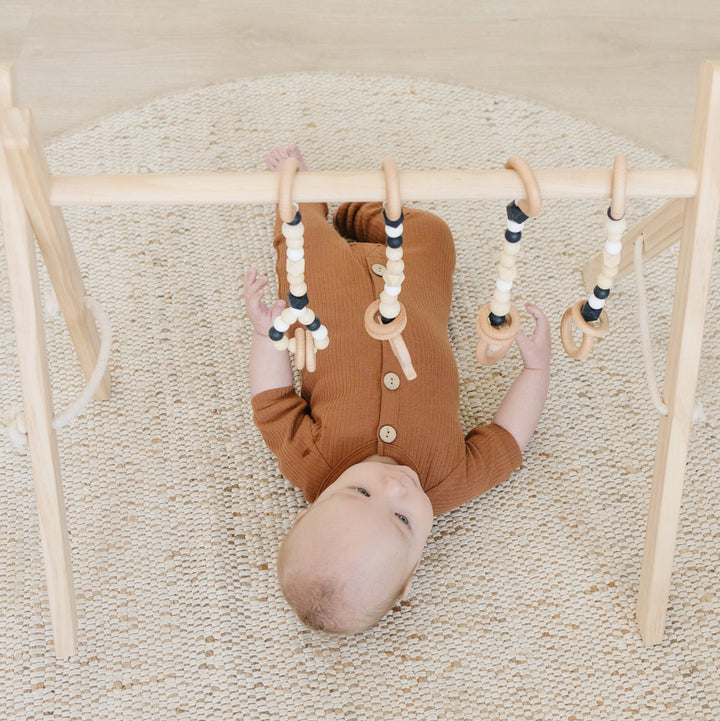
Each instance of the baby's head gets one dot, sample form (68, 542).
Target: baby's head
(351, 555)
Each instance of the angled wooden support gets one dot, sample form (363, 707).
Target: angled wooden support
(31, 176)
(686, 333)
(38, 410)
(660, 231)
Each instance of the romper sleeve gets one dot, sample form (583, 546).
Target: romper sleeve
(288, 429)
(491, 455)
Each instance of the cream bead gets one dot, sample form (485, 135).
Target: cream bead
(298, 289)
(307, 316)
(393, 253)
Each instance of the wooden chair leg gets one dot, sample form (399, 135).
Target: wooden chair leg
(686, 332)
(29, 170)
(38, 408)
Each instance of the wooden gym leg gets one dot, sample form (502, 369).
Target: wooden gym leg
(28, 167)
(38, 408)
(691, 293)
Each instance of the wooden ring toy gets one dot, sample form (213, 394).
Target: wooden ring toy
(384, 331)
(531, 205)
(573, 318)
(495, 340)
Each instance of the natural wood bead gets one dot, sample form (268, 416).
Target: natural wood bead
(501, 297)
(281, 344)
(294, 242)
(393, 253)
(394, 278)
(395, 266)
(295, 278)
(507, 260)
(298, 289)
(295, 266)
(307, 316)
(610, 261)
(605, 281)
(293, 231)
(507, 274)
(389, 310)
(322, 343)
(288, 316)
(511, 248)
(501, 308)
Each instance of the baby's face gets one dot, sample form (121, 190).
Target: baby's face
(378, 515)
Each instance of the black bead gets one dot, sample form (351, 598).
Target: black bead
(296, 219)
(395, 242)
(393, 223)
(512, 237)
(589, 313)
(386, 320)
(314, 325)
(601, 293)
(275, 334)
(496, 320)
(515, 214)
(297, 301)
(609, 213)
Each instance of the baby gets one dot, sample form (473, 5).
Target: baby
(376, 455)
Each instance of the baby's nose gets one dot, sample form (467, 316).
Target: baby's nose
(395, 486)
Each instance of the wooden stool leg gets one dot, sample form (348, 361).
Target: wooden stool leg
(691, 293)
(29, 170)
(38, 408)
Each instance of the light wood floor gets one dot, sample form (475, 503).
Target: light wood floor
(630, 65)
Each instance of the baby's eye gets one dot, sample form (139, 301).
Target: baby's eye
(404, 519)
(363, 491)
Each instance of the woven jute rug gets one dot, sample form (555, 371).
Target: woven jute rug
(523, 606)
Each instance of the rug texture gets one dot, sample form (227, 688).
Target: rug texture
(523, 606)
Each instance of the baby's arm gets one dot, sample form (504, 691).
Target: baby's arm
(269, 368)
(520, 410)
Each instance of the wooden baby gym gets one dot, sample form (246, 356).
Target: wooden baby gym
(31, 201)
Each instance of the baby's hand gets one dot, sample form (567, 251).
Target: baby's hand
(535, 350)
(261, 316)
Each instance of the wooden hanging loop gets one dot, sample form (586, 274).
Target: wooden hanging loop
(393, 203)
(286, 209)
(589, 316)
(531, 205)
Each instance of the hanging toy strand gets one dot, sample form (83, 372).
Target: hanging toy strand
(498, 321)
(589, 317)
(315, 335)
(385, 319)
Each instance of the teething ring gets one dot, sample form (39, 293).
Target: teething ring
(286, 209)
(573, 317)
(531, 205)
(495, 340)
(384, 331)
(391, 332)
